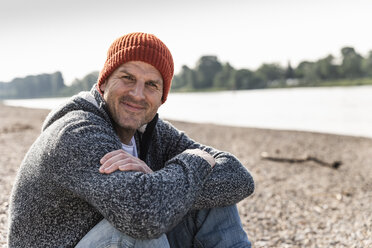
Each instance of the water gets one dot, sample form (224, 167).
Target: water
(40, 103)
(339, 110)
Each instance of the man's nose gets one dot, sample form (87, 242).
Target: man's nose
(138, 90)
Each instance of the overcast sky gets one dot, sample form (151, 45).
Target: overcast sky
(72, 36)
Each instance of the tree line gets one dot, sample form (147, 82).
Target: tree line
(210, 74)
(45, 85)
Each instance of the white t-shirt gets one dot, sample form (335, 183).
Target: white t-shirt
(131, 148)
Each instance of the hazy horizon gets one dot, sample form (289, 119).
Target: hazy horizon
(73, 36)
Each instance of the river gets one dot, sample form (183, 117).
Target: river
(338, 110)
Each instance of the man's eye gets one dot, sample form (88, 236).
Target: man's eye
(128, 77)
(152, 84)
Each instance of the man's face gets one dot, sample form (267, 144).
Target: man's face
(133, 94)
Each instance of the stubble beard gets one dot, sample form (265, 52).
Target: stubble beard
(126, 121)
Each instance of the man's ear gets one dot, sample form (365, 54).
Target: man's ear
(102, 86)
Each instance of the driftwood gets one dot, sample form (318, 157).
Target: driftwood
(333, 165)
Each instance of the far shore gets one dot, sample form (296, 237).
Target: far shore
(297, 202)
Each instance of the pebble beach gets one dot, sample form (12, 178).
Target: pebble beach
(297, 202)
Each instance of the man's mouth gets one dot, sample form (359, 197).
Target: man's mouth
(133, 107)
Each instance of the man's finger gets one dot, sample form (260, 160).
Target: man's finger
(114, 162)
(115, 166)
(118, 157)
(113, 158)
(112, 154)
(142, 167)
(127, 165)
(111, 168)
(108, 156)
(131, 167)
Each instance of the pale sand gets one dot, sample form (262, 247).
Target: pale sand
(294, 205)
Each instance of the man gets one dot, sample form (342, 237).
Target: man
(107, 171)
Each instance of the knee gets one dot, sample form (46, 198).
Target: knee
(220, 214)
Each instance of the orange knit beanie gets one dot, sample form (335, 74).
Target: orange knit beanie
(139, 47)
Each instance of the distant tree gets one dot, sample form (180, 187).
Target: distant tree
(307, 72)
(3, 90)
(89, 80)
(57, 83)
(271, 72)
(299, 71)
(84, 84)
(185, 79)
(326, 69)
(206, 69)
(289, 72)
(367, 65)
(247, 79)
(351, 66)
(225, 78)
(23, 88)
(177, 82)
(43, 85)
(242, 79)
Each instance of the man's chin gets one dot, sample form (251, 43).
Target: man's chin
(131, 125)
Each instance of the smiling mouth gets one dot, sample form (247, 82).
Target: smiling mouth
(133, 107)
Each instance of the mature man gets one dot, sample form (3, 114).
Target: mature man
(106, 170)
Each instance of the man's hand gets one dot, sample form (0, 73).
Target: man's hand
(123, 161)
(205, 155)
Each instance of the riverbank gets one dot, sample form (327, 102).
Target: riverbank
(301, 204)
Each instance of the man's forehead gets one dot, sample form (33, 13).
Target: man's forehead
(141, 66)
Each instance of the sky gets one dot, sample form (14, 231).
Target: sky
(72, 36)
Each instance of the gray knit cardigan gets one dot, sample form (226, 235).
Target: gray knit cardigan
(59, 195)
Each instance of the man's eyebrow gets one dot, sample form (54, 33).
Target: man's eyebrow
(125, 71)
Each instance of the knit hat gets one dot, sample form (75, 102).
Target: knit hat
(139, 47)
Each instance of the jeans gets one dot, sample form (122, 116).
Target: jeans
(216, 227)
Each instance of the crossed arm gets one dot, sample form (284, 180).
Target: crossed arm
(123, 161)
(139, 202)
(228, 183)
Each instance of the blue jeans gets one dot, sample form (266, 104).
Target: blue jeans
(216, 227)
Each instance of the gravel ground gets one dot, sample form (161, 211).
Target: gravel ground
(301, 204)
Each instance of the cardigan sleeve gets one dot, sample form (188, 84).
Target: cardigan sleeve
(140, 205)
(228, 183)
